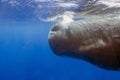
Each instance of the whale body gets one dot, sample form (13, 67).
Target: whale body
(95, 38)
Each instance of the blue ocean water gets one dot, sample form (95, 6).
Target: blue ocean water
(25, 53)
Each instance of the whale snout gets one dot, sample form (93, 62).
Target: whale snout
(56, 39)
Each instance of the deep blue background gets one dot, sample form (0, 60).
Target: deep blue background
(25, 53)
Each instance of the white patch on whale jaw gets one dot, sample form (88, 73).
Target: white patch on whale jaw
(97, 44)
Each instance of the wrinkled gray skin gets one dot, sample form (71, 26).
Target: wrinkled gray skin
(95, 39)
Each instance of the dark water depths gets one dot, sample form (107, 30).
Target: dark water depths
(25, 55)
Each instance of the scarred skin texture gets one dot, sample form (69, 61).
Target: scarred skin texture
(95, 39)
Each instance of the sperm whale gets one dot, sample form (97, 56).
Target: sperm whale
(95, 38)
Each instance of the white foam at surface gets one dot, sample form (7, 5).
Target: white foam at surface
(110, 3)
(58, 5)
